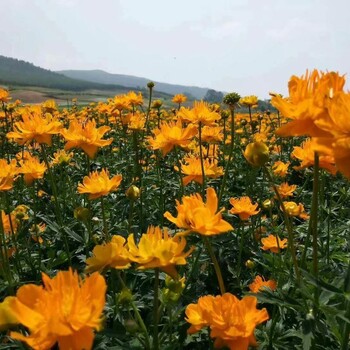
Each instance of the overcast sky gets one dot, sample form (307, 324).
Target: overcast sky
(247, 46)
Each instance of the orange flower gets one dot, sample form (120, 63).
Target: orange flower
(137, 121)
(196, 216)
(134, 99)
(212, 134)
(8, 171)
(243, 207)
(285, 190)
(306, 154)
(294, 209)
(338, 144)
(99, 184)
(179, 98)
(232, 321)
(192, 168)
(157, 249)
(35, 126)
(4, 96)
(170, 135)
(273, 243)
(65, 310)
(9, 223)
(120, 102)
(85, 136)
(196, 313)
(260, 284)
(113, 254)
(309, 97)
(200, 113)
(32, 169)
(280, 169)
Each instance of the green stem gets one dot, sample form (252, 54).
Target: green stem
(105, 226)
(56, 202)
(228, 164)
(314, 214)
(178, 163)
(288, 225)
(215, 263)
(5, 263)
(155, 310)
(201, 158)
(137, 315)
(240, 235)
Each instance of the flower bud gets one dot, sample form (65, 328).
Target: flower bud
(124, 297)
(267, 204)
(250, 264)
(131, 326)
(81, 214)
(132, 193)
(150, 85)
(256, 153)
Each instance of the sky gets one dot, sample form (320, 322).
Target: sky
(244, 46)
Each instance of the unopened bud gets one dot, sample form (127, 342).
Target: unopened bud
(132, 193)
(257, 153)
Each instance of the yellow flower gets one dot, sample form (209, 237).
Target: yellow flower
(273, 243)
(113, 254)
(7, 318)
(35, 126)
(49, 106)
(170, 135)
(66, 310)
(285, 190)
(294, 209)
(21, 212)
(191, 167)
(32, 169)
(62, 157)
(99, 184)
(260, 284)
(243, 207)
(8, 171)
(200, 113)
(85, 136)
(280, 169)
(179, 98)
(249, 101)
(157, 249)
(257, 153)
(231, 321)
(196, 216)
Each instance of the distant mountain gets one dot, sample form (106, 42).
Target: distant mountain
(17, 72)
(102, 77)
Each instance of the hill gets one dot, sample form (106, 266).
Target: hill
(21, 73)
(102, 77)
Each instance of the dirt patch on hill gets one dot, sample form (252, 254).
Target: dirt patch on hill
(28, 96)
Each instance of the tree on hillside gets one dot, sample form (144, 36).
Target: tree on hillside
(213, 96)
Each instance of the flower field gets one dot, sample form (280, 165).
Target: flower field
(127, 225)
